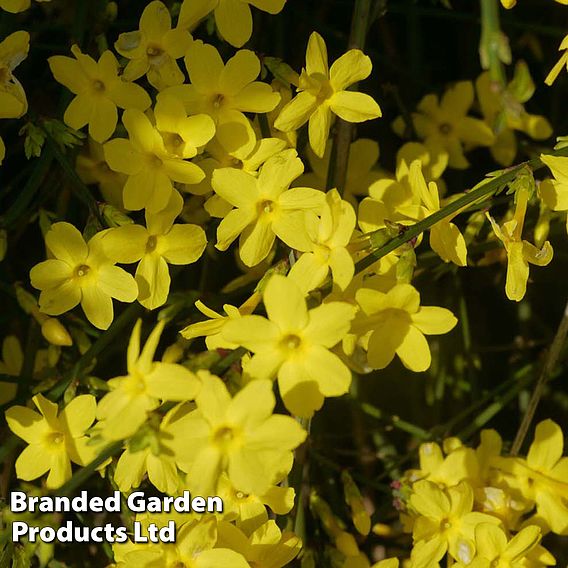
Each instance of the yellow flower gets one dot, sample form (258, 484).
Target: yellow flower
(445, 123)
(265, 208)
(266, 547)
(554, 192)
(211, 328)
(251, 162)
(295, 344)
(459, 464)
(391, 198)
(98, 89)
(562, 62)
(225, 92)
(239, 436)
(330, 236)
(508, 4)
(13, 50)
(248, 510)
(216, 156)
(158, 244)
(156, 459)
(363, 156)
(397, 325)
(182, 134)
(446, 239)
(132, 396)
(322, 92)
(80, 273)
(543, 476)
(55, 438)
(503, 110)
(154, 48)
(150, 167)
(194, 546)
(494, 549)
(233, 19)
(444, 519)
(519, 252)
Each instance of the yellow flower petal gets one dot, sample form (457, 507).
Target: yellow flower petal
(316, 55)
(285, 304)
(414, 351)
(97, 306)
(354, 107)
(350, 68)
(318, 129)
(234, 21)
(547, 446)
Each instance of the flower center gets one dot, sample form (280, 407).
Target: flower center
(55, 438)
(241, 495)
(82, 270)
(154, 161)
(98, 86)
(178, 564)
(291, 342)
(225, 438)
(236, 163)
(151, 243)
(218, 100)
(445, 524)
(445, 128)
(173, 142)
(266, 207)
(154, 51)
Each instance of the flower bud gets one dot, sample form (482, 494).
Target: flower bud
(54, 331)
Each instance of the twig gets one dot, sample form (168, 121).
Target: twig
(381, 249)
(552, 359)
(337, 176)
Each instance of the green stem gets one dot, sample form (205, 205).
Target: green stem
(84, 473)
(493, 47)
(28, 191)
(494, 408)
(81, 190)
(344, 130)
(225, 363)
(394, 421)
(98, 347)
(380, 248)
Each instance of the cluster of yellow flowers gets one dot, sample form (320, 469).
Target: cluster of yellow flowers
(483, 509)
(208, 153)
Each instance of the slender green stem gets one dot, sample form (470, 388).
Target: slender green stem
(299, 480)
(550, 363)
(394, 421)
(481, 419)
(28, 191)
(380, 248)
(81, 190)
(344, 130)
(84, 473)
(98, 347)
(225, 363)
(493, 47)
